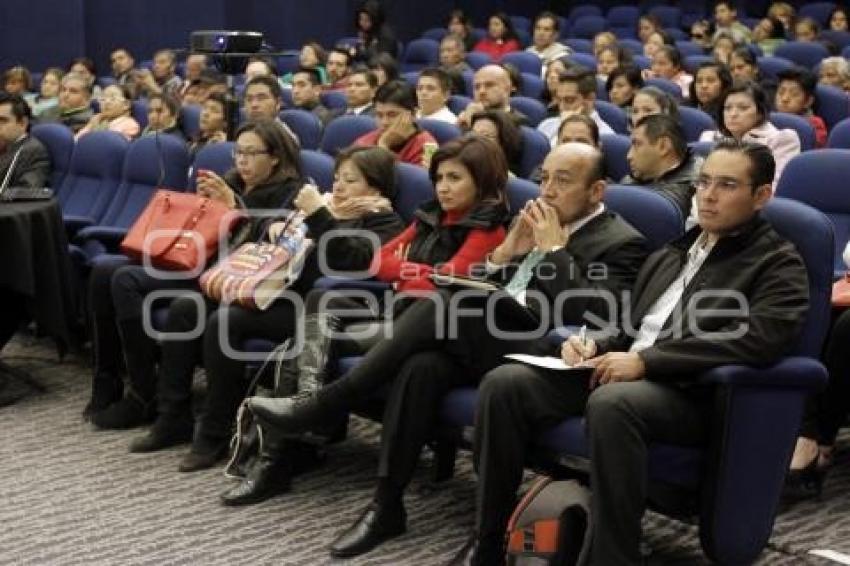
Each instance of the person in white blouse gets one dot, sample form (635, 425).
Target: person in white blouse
(433, 89)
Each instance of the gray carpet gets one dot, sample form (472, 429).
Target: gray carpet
(73, 495)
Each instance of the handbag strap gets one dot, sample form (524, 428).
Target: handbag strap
(192, 220)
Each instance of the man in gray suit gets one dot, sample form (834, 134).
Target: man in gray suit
(32, 167)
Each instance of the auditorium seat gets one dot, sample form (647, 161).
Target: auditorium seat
(770, 67)
(457, 103)
(476, 59)
(531, 107)
(688, 48)
(667, 86)
(614, 150)
(839, 137)
(818, 11)
(579, 45)
(319, 167)
(535, 148)
(586, 60)
(334, 99)
(694, 122)
(632, 45)
(306, 126)
(832, 103)
(437, 34)
(341, 132)
(442, 131)
(586, 27)
(804, 53)
(669, 16)
(216, 157)
(139, 112)
(692, 62)
(613, 115)
(623, 20)
(524, 61)
(805, 130)
(190, 120)
(532, 86)
(419, 54)
(59, 142)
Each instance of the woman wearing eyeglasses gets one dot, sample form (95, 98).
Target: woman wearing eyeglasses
(115, 105)
(744, 116)
(267, 175)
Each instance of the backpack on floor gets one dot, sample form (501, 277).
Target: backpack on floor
(551, 525)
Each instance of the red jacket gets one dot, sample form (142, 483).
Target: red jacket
(495, 49)
(410, 152)
(412, 276)
(820, 130)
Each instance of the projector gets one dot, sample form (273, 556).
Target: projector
(219, 41)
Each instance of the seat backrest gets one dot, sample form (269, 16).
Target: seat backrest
(695, 122)
(632, 45)
(477, 59)
(524, 61)
(578, 44)
(319, 167)
(520, 191)
(614, 150)
(805, 53)
(532, 86)
(532, 108)
(613, 115)
(670, 16)
(59, 141)
(818, 11)
(692, 62)
(151, 162)
(770, 67)
(437, 34)
(813, 235)
(521, 22)
(587, 27)
(586, 60)
(701, 148)
(819, 179)
(580, 10)
(805, 130)
(306, 126)
(216, 157)
(651, 213)
(832, 104)
(413, 187)
(623, 16)
(411, 78)
(420, 53)
(93, 174)
(688, 48)
(333, 99)
(840, 39)
(457, 103)
(190, 120)
(667, 86)
(535, 148)
(442, 131)
(342, 131)
(139, 112)
(839, 137)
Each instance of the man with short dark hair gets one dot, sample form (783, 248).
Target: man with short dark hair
(576, 93)
(545, 40)
(796, 95)
(196, 64)
(74, 108)
(338, 66)
(123, 65)
(433, 89)
(162, 77)
(306, 94)
(32, 165)
(726, 22)
(361, 85)
(263, 100)
(660, 158)
(163, 114)
(452, 61)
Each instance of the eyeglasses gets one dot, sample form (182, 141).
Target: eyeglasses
(559, 181)
(725, 184)
(249, 153)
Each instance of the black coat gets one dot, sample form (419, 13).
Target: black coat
(33, 167)
(755, 262)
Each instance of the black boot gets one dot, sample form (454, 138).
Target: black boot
(105, 390)
(165, 432)
(269, 475)
(131, 411)
(377, 524)
(107, 387)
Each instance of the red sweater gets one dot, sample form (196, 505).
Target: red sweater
(411, 276)
(410, 152)
(496, 49)
(820, 130)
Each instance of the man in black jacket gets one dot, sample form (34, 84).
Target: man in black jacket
(731, 291)
(32, 165)
(660, 157)
(564, 241)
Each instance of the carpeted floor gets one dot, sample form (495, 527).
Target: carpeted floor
(74, 495)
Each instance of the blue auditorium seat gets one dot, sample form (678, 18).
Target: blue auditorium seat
(804, 53)
(586, 27)
(319, 167)
(442, 131)
(535, 148)
(614, 149)
(839, 137)
(419, 54)
(190, 120)
(216, 157)
(832, 104)
(59, 141)
(805, 130)
(695, 122)
(524, 61)
(343, 131)
(531, 107)
(613, 115)
(306, 126)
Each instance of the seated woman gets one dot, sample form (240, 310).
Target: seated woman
(163, 116)
(395, 108)
(114, 115)
(602, 40)
(622, 85)
(769, 34)
(667, 64)
(500, 39)
(835, 71)
(267, 175)
(657, 39)
(214, 124)
(610, 58)
(839, 19)
(745, 117)
(647, 25)
(84, 67)
(360, 201)
(459, 24)
(722, 47)
(652, 100)
(385, 68)
(497, 126)
(312, 56)
(711, 81)
(450, 235)
(48, 95)
(744, 67)
(17, 80)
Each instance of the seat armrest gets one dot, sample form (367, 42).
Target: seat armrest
(790, 372)
(110, 236)
(340, 283)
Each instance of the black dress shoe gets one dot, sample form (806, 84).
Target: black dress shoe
(201, 457)
(287, 415)
(163, 434)
(805, 483)
(376, 525)
(265, 479)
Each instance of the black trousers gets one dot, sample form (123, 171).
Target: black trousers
(826, 412)
(622, 420)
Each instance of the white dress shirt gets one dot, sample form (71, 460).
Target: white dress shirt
(443, 115)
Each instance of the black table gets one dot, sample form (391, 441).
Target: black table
(35, 272)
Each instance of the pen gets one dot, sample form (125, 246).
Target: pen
(582, 335)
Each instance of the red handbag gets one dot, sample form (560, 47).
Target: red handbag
(179, 231)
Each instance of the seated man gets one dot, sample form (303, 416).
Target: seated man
(796, 95)
(453, 62)
(263, 100)
(395, 104)
(492, 84)
(74, 108)
(576, 93)
(123, 66)
(196, 64)
(682, 320)
(163, 112)
(338, 65)
(564, 241)
(661, 159)
(432, 93)
(32, 166)
(545, 40)
(306, 93)
(361, 85)
(162, 77)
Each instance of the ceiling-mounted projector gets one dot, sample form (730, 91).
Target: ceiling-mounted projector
(221, 41)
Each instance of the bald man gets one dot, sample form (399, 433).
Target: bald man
(492, 86)
(566, 240)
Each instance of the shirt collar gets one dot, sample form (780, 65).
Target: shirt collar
(577, 225)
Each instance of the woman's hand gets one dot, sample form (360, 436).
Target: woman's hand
(309, 199)
(210, 185)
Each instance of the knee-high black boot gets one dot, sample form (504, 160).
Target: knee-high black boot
(107, 387)
(269, 475)
(138, 406)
